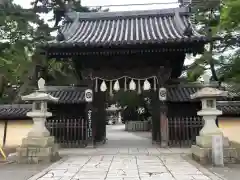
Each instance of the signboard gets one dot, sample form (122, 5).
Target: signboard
(217, 150)
(89, 117)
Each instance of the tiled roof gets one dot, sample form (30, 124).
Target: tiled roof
(181, 93)
(15, 111)
(129, 27)
(67, 94)
(229, 107)
(19, 111)
(71, 95)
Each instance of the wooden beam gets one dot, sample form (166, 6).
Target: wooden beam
(112, 73)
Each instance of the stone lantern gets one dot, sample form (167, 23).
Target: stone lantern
(209, 111)
(203, 150)
(38, 145)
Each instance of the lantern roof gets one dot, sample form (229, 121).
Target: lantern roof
(39, 96)
(209, 92)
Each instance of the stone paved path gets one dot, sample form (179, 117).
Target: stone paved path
(126, 156)
(125, 167)
(118, 137)
(20, 172)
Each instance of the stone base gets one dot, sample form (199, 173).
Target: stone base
(206, 141)
(204, 155)
(136, 126)
(37, 149)
(37, 141)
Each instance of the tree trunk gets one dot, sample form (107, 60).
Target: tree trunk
(2, 84)
(211, 63)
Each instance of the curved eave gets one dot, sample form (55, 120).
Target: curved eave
(69, 52)
(185, 40)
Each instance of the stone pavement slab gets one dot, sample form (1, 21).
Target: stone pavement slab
(125, 151)
(230, 171)
(20, 172)
(124, 167)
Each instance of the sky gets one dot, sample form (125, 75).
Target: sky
(105, 3)
(26, 4)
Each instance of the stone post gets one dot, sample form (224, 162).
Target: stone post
(202, 151)
(38, 146)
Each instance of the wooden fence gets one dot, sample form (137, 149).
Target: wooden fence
(68, 132)
(183, 130)
(72, 132)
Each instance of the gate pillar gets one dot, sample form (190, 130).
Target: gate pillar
(163, 117)
(99, 124)
(163, 75)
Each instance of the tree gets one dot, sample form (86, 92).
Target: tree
(230, 16)
(228, 29)
(208, 21)
(21, 31)
(230, 25)
(17, 35)
(131, 101)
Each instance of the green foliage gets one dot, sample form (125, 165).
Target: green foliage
(230, 15)
(128, 98)
(16, 33)
(21, 30)
(231, 71)
(223, 68)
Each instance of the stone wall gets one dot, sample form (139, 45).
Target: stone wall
(230, 127)
(16, 131)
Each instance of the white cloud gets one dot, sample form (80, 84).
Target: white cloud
(25, 3)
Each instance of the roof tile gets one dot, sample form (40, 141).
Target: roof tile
(67, 94)
(124, 28)
(229, 107)
(14, 111)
